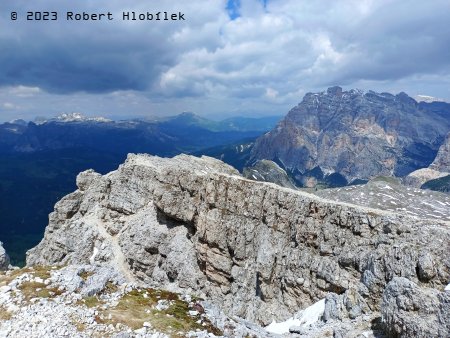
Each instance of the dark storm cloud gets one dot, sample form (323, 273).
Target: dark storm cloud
(100, 56)
(79, 66)
(249, 55)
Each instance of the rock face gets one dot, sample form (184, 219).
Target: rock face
(4, 258)
(268, 171)
(442, 161)
(410, 311)
(260, 251)
(439, 169)
(358, 135)
(419, 177)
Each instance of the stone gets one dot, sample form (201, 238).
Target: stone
(425, 266)
(412, 311)
(4, 258)
(268, 171)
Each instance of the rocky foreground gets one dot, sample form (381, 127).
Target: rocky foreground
(261, 253)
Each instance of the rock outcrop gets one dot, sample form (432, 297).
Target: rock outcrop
(438, 170)
(4, 258)
(410, 311)
(358, 135)
(260, 251)
(442, 161)
(419, 177)
(268, 171)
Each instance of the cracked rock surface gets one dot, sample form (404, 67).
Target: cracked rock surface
(258, 251)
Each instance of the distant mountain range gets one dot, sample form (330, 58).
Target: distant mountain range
(39, 160)
(166, 136)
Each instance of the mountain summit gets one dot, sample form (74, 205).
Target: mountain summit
(356, 134)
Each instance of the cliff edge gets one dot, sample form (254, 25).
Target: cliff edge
(260, 251)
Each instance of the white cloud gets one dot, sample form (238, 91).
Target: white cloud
(261, 62)
(271, 93)
(9, 106)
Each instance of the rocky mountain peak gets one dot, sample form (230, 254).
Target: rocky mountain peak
(259, 251)
(442, 161)
(359, 135)
(335, 91)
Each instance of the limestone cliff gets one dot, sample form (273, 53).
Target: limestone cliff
(260, 251)
(442, 161)
(359, 135)
(440, 167)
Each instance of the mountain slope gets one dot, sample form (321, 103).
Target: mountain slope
(358, 135)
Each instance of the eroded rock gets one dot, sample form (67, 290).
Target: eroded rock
(260, 251)
(410, 311)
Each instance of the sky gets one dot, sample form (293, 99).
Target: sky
(227, 58)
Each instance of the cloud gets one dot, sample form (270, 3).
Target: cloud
(9, 106)
(231, 54)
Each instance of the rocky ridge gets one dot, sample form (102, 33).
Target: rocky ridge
(442, 161)
(386, 193)
(359, 135)
(439, 168)
(268, 171)
(260, 251)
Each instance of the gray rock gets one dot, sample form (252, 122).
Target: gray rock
(4, 258)
(411, 311)
(350, 305)
(387, 193)
(260, 251)
(442, 161)
(392, 134)
(268, 171)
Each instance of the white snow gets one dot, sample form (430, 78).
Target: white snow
(447, 288)
(308, 316)
(91, 259)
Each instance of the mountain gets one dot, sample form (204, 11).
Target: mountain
(242, 124)
(435, 177)
(356, 135)
(258, 252)
(169, 136)
(235, 154)
(268, 171)
(40, 160)
(442, 160)
(438, 184)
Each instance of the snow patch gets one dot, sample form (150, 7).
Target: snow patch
(308, 316)
(91, 259)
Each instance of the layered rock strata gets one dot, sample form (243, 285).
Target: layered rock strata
(359, 135)
(260, 251)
